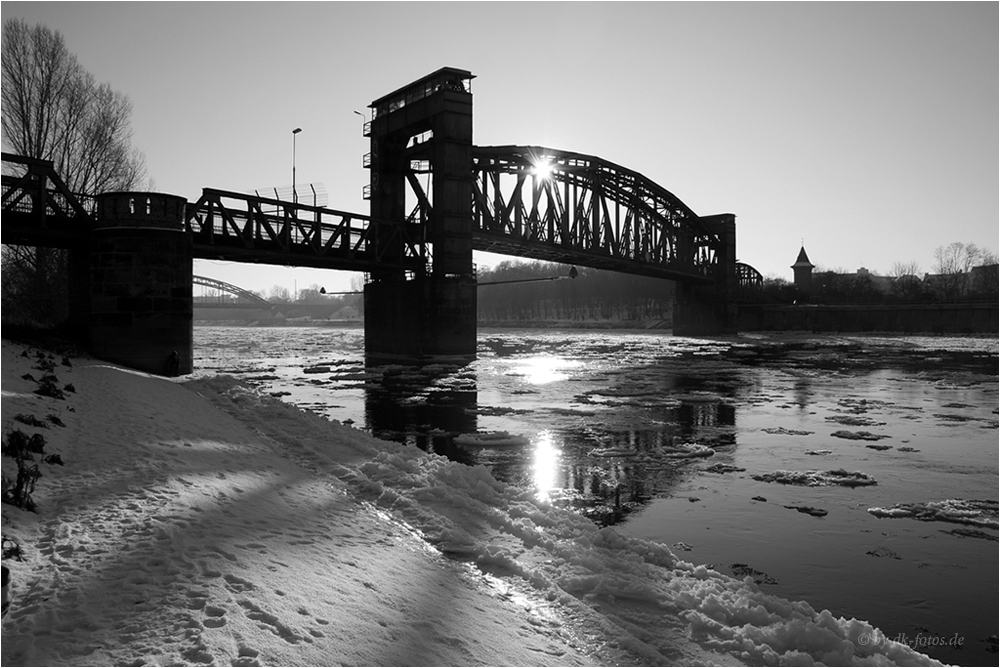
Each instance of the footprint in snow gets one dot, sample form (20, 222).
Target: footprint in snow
(216, 617)
(247, 657)
(273, 624)
(238, 584)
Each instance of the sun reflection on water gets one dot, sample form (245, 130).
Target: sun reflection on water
(547, 369)
(545, 457)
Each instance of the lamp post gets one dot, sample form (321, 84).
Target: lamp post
(295, 197)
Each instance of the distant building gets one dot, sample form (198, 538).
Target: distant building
(803, 272)
(979, 281)
(985, 279)
(881, 283)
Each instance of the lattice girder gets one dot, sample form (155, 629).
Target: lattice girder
(545, 203)
(231, 289)
(238, 226)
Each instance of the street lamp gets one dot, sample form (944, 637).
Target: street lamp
(364, 121)
(295, 197)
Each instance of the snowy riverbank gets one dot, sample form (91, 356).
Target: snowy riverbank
(202, 523)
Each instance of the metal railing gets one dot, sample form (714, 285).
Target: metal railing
(281, 232)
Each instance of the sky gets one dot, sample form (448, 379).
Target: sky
(866, 131)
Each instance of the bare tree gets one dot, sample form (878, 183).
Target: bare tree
(954, 262)
(54, 110)
(906, 283)
(279, 294)
(984, 279)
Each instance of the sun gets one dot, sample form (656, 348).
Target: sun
(542, 168)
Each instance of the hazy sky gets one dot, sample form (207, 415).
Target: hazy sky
(868, 130)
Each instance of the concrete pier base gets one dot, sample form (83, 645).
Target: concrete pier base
(140, 290)
(422, 321)
(711, 309)
(701, 311)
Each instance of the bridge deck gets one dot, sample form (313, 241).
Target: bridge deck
(246, 228)
(581, 210)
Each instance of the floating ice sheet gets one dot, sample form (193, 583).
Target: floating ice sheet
(959, 511)
(491, 439)
(818, 478)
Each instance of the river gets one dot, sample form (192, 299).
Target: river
(856, 472)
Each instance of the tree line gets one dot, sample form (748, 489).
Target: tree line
(533, 291)
(961, 272)
(523, 291)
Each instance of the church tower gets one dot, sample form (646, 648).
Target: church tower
(803, 269)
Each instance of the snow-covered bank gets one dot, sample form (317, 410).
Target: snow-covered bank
(205, 523)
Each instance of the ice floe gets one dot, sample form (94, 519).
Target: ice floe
(883, 552)
(724, 468)
(855, 421)
(782, 430)
(491, 439)
(686, 450)
(809, 510)
(759, 577)
(859, 435)
(818, 478)
(959, 511)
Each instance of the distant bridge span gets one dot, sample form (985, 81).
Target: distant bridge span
(250, 298)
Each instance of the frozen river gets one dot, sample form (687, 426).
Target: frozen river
(856, 472)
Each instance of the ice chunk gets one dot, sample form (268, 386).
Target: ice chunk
(958, 511)
(491, 439)
(818, 478)
(858, 435)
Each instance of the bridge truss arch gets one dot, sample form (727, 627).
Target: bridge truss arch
(749, 284)
(246, 297)
(560, 206)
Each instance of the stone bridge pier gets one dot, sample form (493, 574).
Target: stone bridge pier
(132, 287)
(711, 310)
(424, 128)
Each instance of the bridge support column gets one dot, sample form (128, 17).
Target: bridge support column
(711, 310)
(426, 320)
(140, 294)
(424, 127)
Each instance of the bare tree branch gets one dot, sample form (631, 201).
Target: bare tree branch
(53, 109)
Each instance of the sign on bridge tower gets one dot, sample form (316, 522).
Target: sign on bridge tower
(421, 152)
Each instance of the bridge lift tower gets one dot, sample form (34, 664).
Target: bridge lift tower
(424, 128)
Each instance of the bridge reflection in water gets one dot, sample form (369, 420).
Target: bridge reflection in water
(605, 471)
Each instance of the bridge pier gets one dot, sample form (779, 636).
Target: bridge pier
(426, 320)
(711, 310)
(424, 131)
(135, 283)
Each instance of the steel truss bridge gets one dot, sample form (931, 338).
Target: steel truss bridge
(248, 228)
(38, 208)
(528, 201)
(243, 298)
(570, 208)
